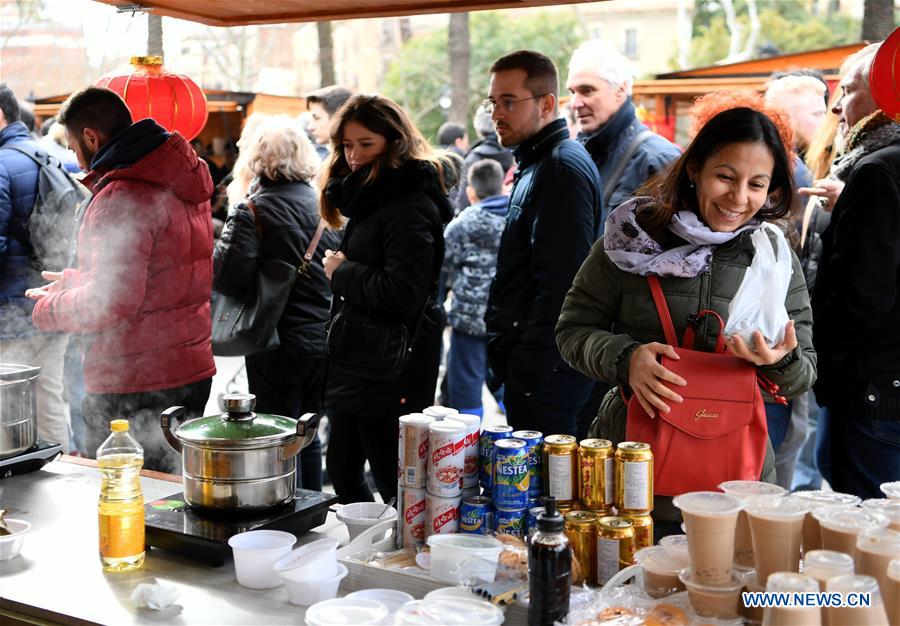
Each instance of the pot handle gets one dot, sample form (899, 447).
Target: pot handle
(172, 413)
(306, 430)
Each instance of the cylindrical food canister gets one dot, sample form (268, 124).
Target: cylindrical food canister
(634, 478)
(510, 522)
(445, 447)
(615, 547)
(489, 435)
(441, 515)
(560, 468)
(412, 458)
(596, 476)
(471, 492)
(439, 412)
(531, 519)
(476, 516)
(510, 474)
(535, 441)
(643, 529)
(581, 529)
(411, 521)
(471, 459)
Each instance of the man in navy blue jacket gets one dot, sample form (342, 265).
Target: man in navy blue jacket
(553, 219)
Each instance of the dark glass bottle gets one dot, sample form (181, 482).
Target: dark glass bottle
(549, 569)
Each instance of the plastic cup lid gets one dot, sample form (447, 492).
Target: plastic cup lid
(439, 412)
(707, 503)
(733, 585)
(447, 427)
(827, 560)
(391, 598)
(777, 508)
(450, 610)
(879, 540)
(789, 581)
(894, 569)
(659, 559)
(819, 497)
(850, 519)
(745, 489)
(464, 418)
(346, 611)
(416, 418)
(891, 490)
(846, 583)
(889, 508)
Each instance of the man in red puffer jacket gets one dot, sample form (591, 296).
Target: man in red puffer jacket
(140, 293)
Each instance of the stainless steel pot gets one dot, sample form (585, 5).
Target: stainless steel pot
(18, 408)
(239, 461)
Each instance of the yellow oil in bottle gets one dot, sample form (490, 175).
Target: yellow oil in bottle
(121, 506)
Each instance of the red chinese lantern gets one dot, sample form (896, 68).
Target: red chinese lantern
(884, 77)
(173, 100)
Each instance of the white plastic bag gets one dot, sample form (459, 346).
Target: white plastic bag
(759, 301)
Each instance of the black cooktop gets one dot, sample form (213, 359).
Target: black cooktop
(173, 525)
(32, 459)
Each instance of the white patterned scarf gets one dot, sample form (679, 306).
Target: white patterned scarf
(634, 251)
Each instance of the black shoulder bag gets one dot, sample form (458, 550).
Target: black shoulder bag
(242, 326)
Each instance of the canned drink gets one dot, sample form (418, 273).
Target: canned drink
(470, 450)
(489, 435)
(445, 470)
(535, 441)
(560, 468)
(596, 482)
(634, 478)
(607, 512)
(441, 515)
(411, 521)
(412, 457)
(565, 509)
(510, 474)
(615, 547)
(471, 492)
(439, 412)
(510, 522)
(476, 516)
(643, 529)
(531, 519)
(581, 529)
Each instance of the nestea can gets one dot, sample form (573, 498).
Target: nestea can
(510, 522)
(490, 435)
(535, 441)
(511, 474)
(476, 516)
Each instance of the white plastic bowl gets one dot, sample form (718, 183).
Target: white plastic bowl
(11, 545)
(255, 554)
(451, 592)
(471, 611)
(309, 592)
(313, 560)
(391, 598)
(455, 554)
(359, 516)
(341, 611)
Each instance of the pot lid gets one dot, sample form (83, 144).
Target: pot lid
(13, 372)
(239, 426)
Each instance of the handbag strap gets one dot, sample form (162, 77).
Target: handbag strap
(314, 242)
(659, 298)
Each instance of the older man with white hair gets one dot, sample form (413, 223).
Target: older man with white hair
(856, 304)
(626, 152)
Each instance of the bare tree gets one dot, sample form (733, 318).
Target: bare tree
(878, 19)
(326, 53)
(27, 12)
(154, 35)
(458, 47)
(405, 30)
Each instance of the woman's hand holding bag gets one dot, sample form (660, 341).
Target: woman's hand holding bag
(646, 373)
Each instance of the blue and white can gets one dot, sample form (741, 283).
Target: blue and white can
(531, 519)
(489, 435)
(510, 522)
(476, 516)
(511, 474)
(535, 441)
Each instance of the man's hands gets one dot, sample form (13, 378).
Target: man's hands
(827, 190)
(39, 293)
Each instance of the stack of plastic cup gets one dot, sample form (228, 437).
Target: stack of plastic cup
(825, 564)
(789, 582)
(840, 527)
(747, 491)
(776, 526)
(855, 612)
(876, 548)
(817, 499)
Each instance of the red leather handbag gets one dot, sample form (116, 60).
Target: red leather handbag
(719, 432)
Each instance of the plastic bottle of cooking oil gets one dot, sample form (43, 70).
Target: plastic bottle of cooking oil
(121, 508)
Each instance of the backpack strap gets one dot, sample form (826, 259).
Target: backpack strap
(659, 299)
(630, 149)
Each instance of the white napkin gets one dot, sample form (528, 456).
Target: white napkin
(154, 596)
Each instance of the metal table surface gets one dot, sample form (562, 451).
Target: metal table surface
(58, 578)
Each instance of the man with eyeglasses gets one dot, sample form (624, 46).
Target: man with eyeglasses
(553, 219)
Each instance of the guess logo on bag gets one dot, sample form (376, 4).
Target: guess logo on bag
(444, 518)
(414, 510)
(703, 415)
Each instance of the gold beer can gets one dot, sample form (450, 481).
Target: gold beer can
(561, 468)
(581, 529)
(634, 478)
(643, 529)
(565, 509)
(615, 547)
(605, 512)
(596, 480)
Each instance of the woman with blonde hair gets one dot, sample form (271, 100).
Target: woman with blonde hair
(278, 220)
(390, 188)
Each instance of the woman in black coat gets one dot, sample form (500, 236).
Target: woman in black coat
(384, 180)
(278, 220)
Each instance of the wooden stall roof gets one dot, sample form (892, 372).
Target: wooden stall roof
(217, 101)
(244, 12)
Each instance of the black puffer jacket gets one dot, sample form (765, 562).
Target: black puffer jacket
(394, 245)
(287, 217)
